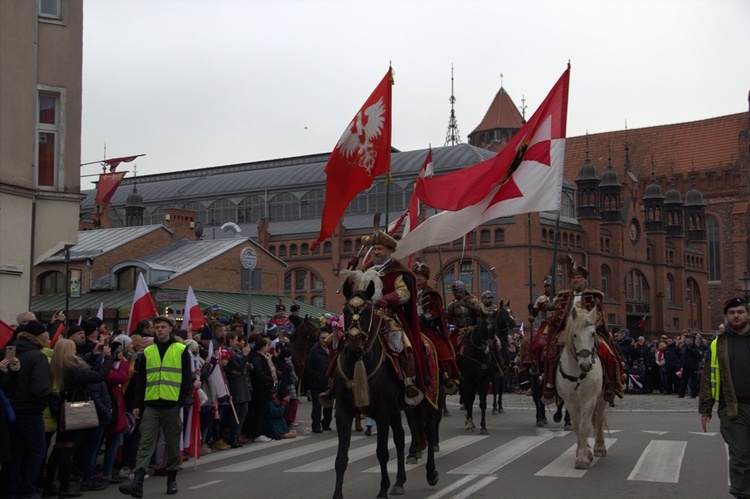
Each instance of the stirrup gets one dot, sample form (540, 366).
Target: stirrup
(326, 399)
(415, 398)
(449, 387)
(548, 398)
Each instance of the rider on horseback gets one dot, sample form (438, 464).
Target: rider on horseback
(465, 312)
(582, 297)
(400, 320)
(433, 324)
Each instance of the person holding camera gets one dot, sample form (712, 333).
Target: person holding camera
(163, 379)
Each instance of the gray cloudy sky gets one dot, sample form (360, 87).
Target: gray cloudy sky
(198, 83)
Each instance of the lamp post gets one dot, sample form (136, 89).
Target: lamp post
(746, 286)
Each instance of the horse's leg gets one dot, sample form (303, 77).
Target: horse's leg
(582, 422)
(412, 456)
(536, 395)
(429, 417)
(501, 390)
(398, 441)
(495, 392)
(568, 426)
(381, 451)
(344, 431)
(483, 389)
(469, 392)
(600, 418)
(439, 417)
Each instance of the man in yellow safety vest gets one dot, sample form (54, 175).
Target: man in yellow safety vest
(163, 378)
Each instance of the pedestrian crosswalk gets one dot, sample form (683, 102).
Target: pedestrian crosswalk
(477, 460)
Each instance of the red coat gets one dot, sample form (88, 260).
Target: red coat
(117, 376)
(436, 329)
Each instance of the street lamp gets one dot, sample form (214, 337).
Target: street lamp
(746, 286)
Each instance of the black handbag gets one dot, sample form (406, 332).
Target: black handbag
(79, 415)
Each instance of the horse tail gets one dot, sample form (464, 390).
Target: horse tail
(361, 389)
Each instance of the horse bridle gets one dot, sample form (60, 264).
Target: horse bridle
(355, 328)
(582, 354)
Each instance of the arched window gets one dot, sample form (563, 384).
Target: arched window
(52, 283)
(636, 286)
(544, 236)
(484, 237)
(567, 206)
(293, 250)
(220, 212)
(312, 203)
(714, 251)
(499, 236)
(358, 206)
(605, 280)
(327, 248)
(693, 300)
(127, 277)
(305, 249)
(474, 274)
(669, 289)
(282, 250)
(251, 209)
(283, 206)
(347, 246)
(304, 286)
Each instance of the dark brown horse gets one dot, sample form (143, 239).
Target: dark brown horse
(363, 379)
(303, 338)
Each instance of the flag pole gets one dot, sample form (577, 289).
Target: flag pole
(531, 284)
(442, 275)
(554, 252)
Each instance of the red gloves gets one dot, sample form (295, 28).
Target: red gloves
(353, 262)
(389, 300)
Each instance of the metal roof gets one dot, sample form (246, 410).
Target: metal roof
(278, 175)
(92, 243)
(185, 255)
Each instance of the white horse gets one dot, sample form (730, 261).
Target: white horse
(579, 379)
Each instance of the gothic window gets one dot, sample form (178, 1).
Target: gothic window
(669, 290)
(605, 280)
(714, 250)
(636, 286)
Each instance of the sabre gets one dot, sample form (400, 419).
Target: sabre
(365, 243)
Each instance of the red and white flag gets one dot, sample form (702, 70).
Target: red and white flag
(193, 314)
(105, 189)
(520, 330)
(100, 313)
(409, 217)
(362, 153)
(6, 333)
(525, 176)
(113, 163)
(143, 306)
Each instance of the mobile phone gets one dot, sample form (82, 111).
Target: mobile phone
(10, 352)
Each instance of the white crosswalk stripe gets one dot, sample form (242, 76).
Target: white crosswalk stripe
(503, 455)
(446, 447)
(562, 466)
(660, 462)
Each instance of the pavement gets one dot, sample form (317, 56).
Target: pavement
(630, 403)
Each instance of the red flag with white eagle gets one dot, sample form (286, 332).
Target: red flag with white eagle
(525, 176)
(193, 313)
(143, 306)
(105, 189)
(362, 153)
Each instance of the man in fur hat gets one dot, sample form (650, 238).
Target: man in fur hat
(578, 295)
(433, 324)
(398, 301)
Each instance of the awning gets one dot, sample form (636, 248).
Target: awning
(119, 300)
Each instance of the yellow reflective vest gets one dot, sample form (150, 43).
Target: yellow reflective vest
(715, 375)
(164, 375)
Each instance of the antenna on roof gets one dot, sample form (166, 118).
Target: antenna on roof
(452, 137)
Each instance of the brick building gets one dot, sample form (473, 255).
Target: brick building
(658, 214)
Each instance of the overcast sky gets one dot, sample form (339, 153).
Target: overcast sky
(199, 83)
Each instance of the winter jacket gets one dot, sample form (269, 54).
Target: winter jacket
(691, 356)
(672, 356)
(261, 376)
(274, 423)
(728, 400)
(236, 378)
(118, 374)
(29, 391)
(316, 367)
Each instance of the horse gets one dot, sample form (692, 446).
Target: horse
(579, 380)
(363, 379)
(504, 322)
(477, 364)
(303, 338)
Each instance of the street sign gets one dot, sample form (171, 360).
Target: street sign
(248, 258)
(170, 296)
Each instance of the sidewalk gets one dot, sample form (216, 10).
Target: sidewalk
(631, 403)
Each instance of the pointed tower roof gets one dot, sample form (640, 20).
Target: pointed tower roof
(502, 113)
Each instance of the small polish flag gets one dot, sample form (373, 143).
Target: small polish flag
(143, 306)
(100, 313)
(193, 313)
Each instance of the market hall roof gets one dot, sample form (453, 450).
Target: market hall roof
(304, 172)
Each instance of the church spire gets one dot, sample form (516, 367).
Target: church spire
(452, 137)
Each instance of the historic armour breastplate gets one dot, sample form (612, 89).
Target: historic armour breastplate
(463, 316)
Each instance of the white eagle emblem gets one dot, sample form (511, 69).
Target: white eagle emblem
(357, 142)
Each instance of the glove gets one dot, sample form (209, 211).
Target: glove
(389, 300)
(353, 262)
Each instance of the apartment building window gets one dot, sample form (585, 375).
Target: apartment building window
(52, 283)
(50, 9)
(48, 133)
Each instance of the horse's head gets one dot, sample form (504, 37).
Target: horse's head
(505, 318)
(359, 313)
(308, 328)
(580, 339)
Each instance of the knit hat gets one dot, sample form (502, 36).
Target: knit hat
(34, 327)
(76, 329)
(97, 321)
(734, 302)
(88, 327)
(206, 333)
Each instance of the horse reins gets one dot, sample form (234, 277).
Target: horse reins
(583, 354)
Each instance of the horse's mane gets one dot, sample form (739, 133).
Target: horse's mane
(359, 280)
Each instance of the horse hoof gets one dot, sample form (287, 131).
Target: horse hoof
(461, 408)
(557, 417)
(568, 427)
(494, 412)
(484, 431)
(540, 422)
(398, 490)
(582, 465)
(600, 453)
(434, 480)
(411, 460)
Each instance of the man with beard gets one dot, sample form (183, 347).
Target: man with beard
(578, 295)
(725, 380)
(399, 306)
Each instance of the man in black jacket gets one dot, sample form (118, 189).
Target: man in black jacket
(690, 359)
(316, 366)
(27, 391)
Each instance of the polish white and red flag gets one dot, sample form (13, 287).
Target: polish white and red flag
(525, 176)
(100, 312)
(409, 218)
(143, 306)
(194, 319)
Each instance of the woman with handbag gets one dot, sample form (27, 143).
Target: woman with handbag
(71, 375)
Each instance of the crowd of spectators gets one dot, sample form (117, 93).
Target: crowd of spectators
(247, 391)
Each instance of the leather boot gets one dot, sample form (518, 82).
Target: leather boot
(412, 396)
(135, 486)
(172, 483)
(326, 397)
